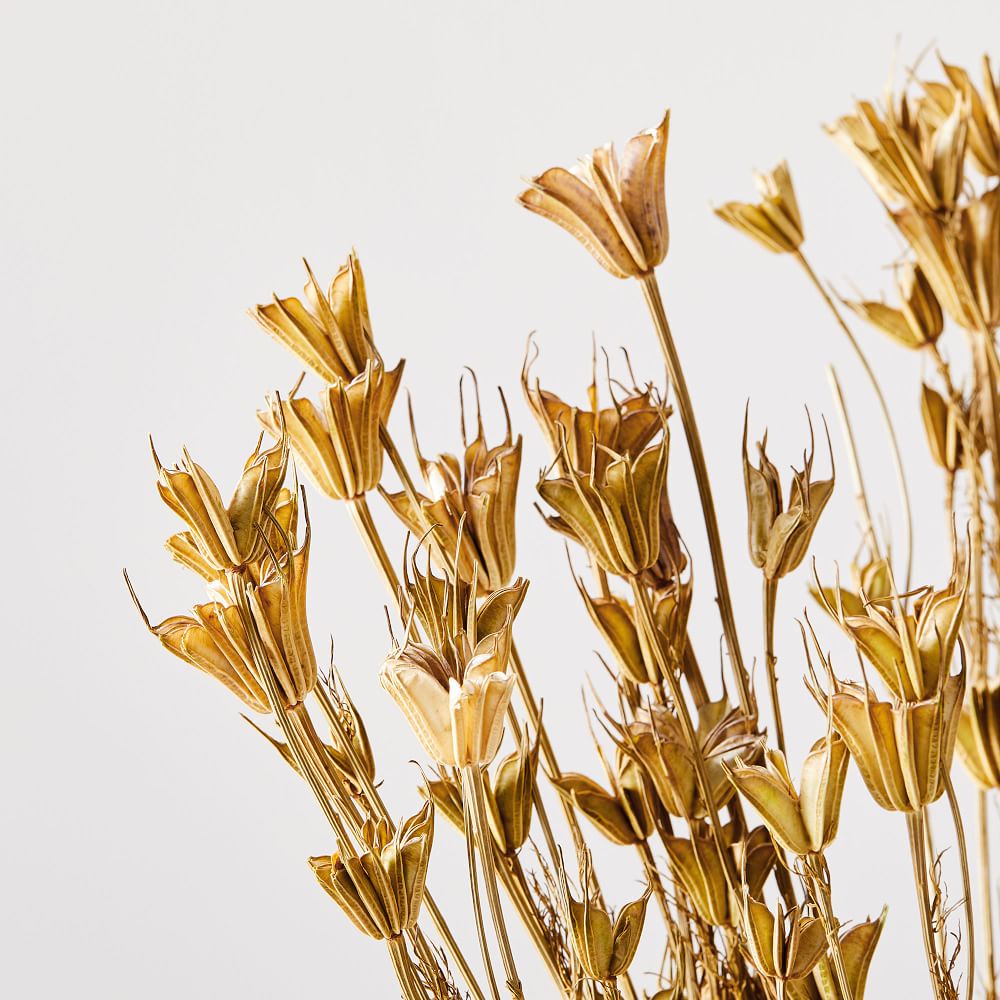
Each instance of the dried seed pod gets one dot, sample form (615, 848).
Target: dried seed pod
(781, 946)
(625, 814)
(338, 442)
(698, 867)
(482, 489)
(941, 426)
(857, 945)
(979, 733)
(604, 948)
(618, 212)
(224, 537)
(616, 517)
(805, 821)
(510, 796)
(775, 221)
(912, 652)
(332, 333)
(779, 538)
(917, 322)
(455, 697)
(382, 889)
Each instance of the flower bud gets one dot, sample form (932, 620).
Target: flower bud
(942, 429)
(698, 867)
(382, 889)
(510, 795)
(774, 221)
(339, 443)
(618, 212)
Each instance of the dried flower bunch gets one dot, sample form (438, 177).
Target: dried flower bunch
(696, 778)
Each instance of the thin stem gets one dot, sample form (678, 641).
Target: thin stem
(963, 857)
(904, 493)
(475, 791)
(403, 965)
(915, 829)
(651, 292)
(362, 515)
(770, 660)
(477, 906)
(653, 876)
(611, 991)
(986, 893)
(824, 903)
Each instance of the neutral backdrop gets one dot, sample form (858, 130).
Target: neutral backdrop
(165, 167)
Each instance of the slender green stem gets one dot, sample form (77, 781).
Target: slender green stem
(770, 660)
(651, 292)
(897, 460)
(968, 905)
(475, 792)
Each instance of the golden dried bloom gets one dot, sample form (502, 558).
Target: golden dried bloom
(904, 162)
(983, 111)
(698, 867)
(655, 741)
(805, 821)
(857, 945)
(782, 946)
(912, 652)
(779, 538)
(604, 948)
(979, 733)
(482, 488)
(774, 221)
(382, 889)
(616, 517)
(224, 537)
(614, 618)
(215, 638)
(617, 211)
(903, 749)
(338, 442)
(625, 814)
(917, 322)
(455, 698)
(331, 332)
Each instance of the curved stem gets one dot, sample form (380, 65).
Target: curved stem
(963, 857)
(897, 461)
(475, 792)
(770, 660)
(651, 292)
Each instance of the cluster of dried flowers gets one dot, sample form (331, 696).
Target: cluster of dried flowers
(742, 910)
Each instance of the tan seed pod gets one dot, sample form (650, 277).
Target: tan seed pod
(979, 733)
(774, 222)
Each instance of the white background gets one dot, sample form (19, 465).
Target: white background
(165, 167)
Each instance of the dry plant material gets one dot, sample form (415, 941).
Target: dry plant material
(741, 908)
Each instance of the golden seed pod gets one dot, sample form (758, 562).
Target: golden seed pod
(338, 442)
(223, 537)
(775, 221)
(979, 733)
(614, 619)
(857, 945)
(625, 814)
(872, 582)
(778, 537)
(698, 867)
(781, 946)
(941, 426)
(215, 638)
(903, 749)
(983, 111)
(510, 797)
(656, 742)
(482, 489)
(617, 517)
(586, 439)
(805, 821)
(604, 948)
(917, 322)
(617, 211)
(331, 332)
(903, 159)
(381, 890)
(455, 698)
(912, 652)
